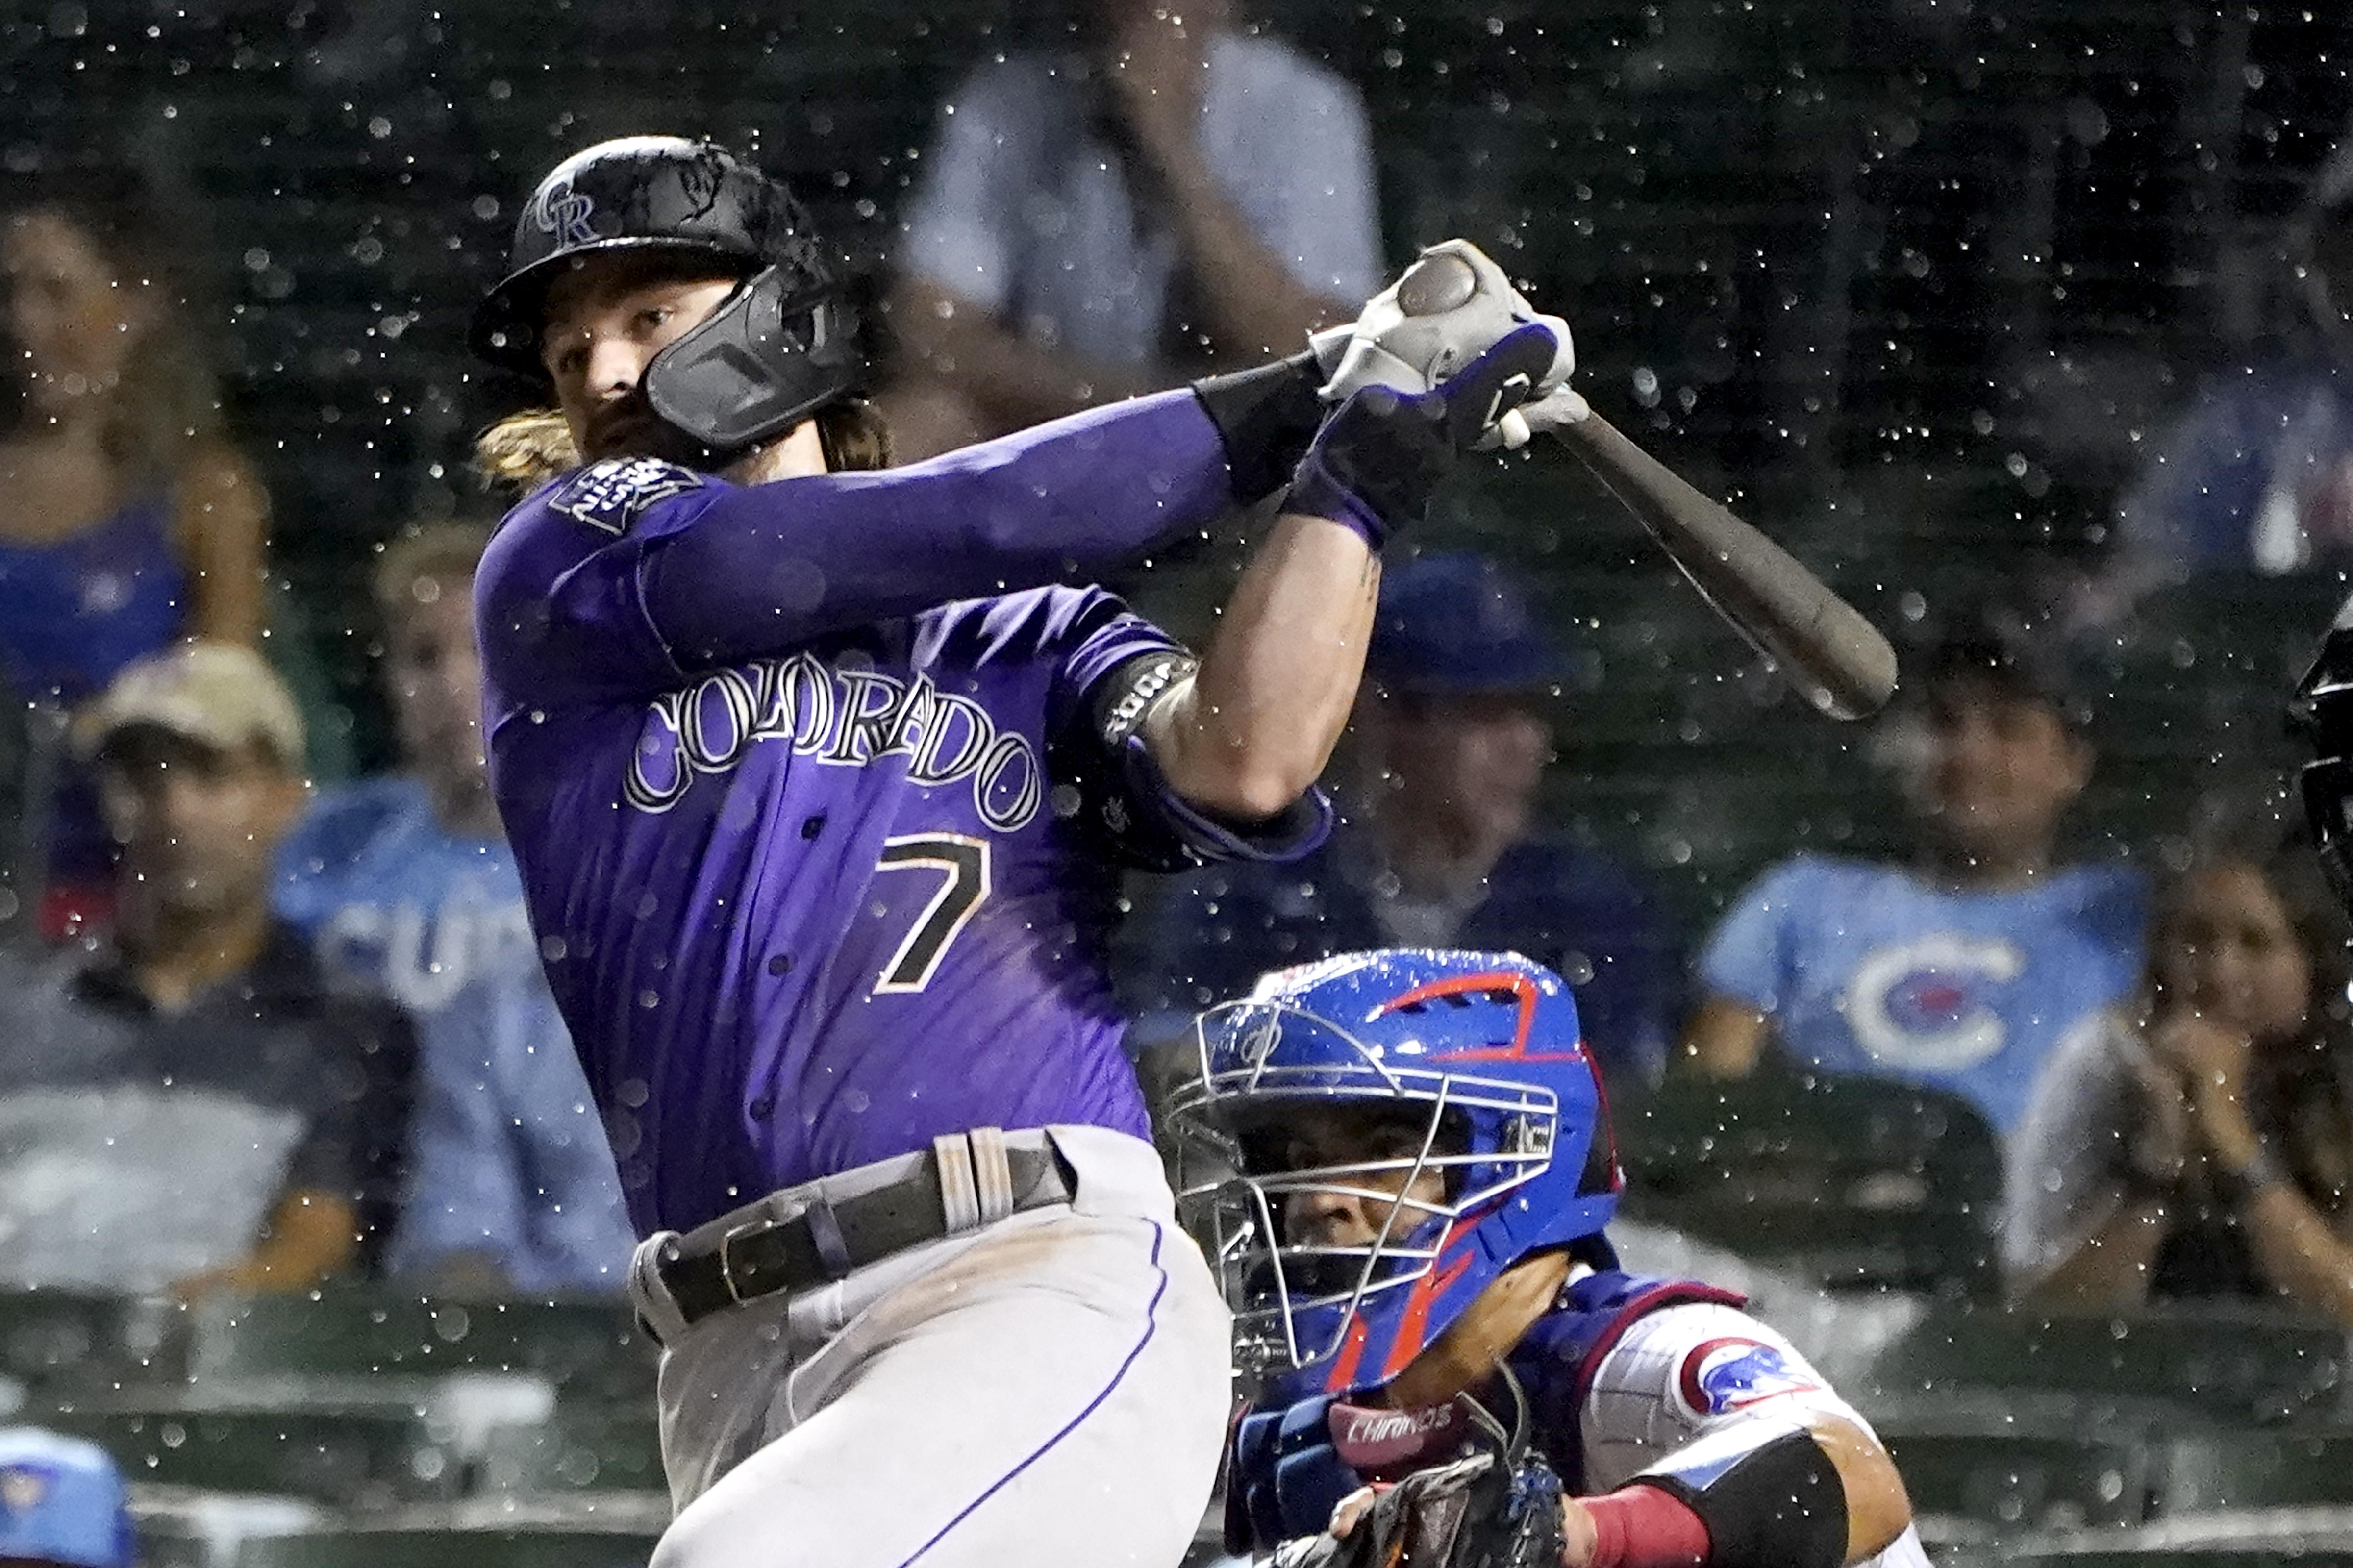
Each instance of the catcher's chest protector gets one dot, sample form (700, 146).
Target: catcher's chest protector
(1556, 1361)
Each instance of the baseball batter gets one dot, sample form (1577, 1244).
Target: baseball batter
(820, 788)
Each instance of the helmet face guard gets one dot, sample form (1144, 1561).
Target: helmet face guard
(771, 355)
(1478, 1058)
(1294, 1302)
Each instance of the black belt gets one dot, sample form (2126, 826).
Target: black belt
(825, 1230)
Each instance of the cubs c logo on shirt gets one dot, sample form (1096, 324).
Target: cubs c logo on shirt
(1719, 1377)
(1922, 1004)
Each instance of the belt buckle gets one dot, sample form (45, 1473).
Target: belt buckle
(726, 1253)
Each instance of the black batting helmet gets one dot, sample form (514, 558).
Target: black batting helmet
(782, 346)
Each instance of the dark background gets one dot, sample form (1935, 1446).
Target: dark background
(1913, 283)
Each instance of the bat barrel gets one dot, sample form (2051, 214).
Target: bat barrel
(1839, 659)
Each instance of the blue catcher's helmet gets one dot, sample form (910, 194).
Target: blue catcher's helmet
(1482, 1051)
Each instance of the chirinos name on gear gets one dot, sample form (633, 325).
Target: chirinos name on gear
(839, 715)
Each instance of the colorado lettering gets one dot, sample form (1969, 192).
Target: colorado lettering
(837, 718)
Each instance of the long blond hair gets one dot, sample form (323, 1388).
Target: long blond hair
(523, 451)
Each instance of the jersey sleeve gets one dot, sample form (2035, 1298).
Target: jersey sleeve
(1746, 959)
(636, 574)
(1682, 1373)
(1118, 666)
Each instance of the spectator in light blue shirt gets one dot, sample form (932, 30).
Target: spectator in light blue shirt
(1968, 964)
(407, 883)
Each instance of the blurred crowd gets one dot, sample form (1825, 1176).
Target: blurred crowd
(306, 1019)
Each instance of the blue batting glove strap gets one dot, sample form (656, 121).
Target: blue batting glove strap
(1380, 456)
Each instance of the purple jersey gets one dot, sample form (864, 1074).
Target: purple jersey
(821, 865)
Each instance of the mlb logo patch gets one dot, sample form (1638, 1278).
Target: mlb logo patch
(614, 493)
(1720, 1376)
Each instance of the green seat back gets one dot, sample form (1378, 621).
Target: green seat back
(600, 1450)
(449, 1549)
(360, 1459)
(592, 1346)
(1856, 1182)
(2231, 1363)
(2207, 1470)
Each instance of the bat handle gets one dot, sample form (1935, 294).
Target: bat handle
(1839, 659)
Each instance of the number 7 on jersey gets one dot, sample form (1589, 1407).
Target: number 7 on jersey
(965, 861)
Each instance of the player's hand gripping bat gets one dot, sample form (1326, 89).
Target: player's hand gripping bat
(1840, 660)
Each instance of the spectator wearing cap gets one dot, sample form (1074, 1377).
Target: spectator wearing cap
(1966, 965)
(62, 1503)
(1437, 844)
(192, 1104)
(405, 882)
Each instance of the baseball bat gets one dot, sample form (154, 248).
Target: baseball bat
(1837, 659)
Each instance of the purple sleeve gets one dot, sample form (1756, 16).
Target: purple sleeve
(754, 569)
(1116, 669)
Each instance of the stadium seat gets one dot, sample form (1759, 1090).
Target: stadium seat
(2025, 1459)
(1858, 1184)
(448, 1548)
(572, 1533)
(2208, 1470)
(356, 1458)
(590, 1347)
(65, 1337)
(2237, 1365)
(600, 1450)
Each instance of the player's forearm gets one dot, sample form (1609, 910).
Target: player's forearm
(769, 566)
(2108, 1270)
(311, 1234)
(223, 526)
(2296, 1252)
(1012, 381)
(1724, 1040)
(1252, 732)
(1877, 1507)
(1253, 307)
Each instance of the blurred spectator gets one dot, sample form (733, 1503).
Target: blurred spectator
(1174, 193)
(62, 1503)
(2257, 476)
(126, 518)
(1437, 846)
(2201, 1142)
(1964, 968)
(406, 882)
(193, 1105)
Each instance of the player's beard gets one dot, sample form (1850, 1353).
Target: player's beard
(629, 427)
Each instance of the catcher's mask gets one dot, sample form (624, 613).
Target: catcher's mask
(781, 347)
(2323, 711)
(1481, 1056)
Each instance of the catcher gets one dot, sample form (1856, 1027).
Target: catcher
(1414, 1171)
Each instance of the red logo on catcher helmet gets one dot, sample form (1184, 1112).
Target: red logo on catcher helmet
(1727, 1375)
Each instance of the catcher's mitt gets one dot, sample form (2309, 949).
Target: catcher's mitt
(1478, 1512)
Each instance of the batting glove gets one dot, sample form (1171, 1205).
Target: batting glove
(1382, 455)
(1389, 347)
